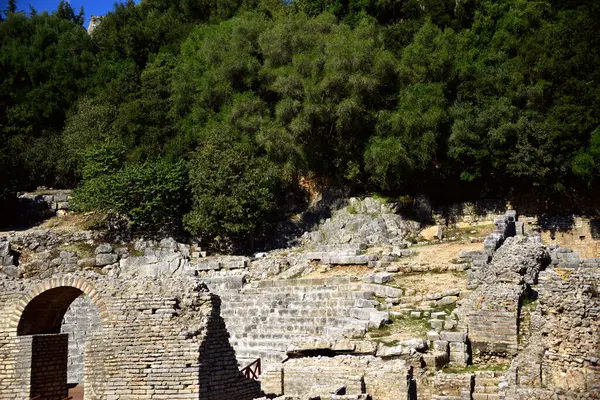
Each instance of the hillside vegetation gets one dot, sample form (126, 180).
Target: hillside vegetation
(205, 114)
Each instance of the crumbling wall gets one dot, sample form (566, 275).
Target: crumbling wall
(35, 206)
(570, 305)
(80, 321)
(159, 339)
(492, 314)
(350, 375)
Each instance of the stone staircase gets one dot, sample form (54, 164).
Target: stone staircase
(265, 317)
(486, 385)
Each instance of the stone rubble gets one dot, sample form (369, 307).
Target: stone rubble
(531, 309)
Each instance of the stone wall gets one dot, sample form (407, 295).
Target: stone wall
(482, 211)
(570, 304)
(160, 338)
(581, 234)
(49, 366)
(346, 375)
(80, 320)
(38, 206)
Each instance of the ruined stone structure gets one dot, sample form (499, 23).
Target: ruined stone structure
(158, 339)
(162, 320)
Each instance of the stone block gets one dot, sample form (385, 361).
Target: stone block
(456, 337)
(382, 277)
(104, 248)
(444, 301)
(103, 259)
(438, 315)
(441, 345)
(10, 270)
(435, 360)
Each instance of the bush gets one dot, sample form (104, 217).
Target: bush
(233, 190)
(151, 195)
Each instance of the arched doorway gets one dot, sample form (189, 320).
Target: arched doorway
(43, 348)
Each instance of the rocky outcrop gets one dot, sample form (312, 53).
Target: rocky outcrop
(364, 222)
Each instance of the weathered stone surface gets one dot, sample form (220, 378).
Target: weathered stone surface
(165, 331)
(103, 259)
(456, 337)
(104, 248)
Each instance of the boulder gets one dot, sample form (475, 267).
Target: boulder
(104, 248)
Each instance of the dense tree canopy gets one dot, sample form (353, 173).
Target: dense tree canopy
(204, 114)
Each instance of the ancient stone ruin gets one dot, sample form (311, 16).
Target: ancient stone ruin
(356, 311)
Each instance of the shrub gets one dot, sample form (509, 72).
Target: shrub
(150, 195)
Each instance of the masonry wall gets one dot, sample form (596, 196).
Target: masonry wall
(493, 321)
(49, 366)
(160, 339)
(570, 303)
(80, 320)
(220, 378)
(320, 376)
(15, 354)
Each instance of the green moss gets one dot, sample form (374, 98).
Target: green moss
(528, 303)
(475, 368)
(83, 250)
(382, 198)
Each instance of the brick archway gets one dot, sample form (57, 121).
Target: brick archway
(51, 298)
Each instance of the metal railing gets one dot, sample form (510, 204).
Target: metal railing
(252, 370)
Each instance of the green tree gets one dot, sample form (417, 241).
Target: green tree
(234, 191)
(44, 64)
(150, 195)
(65, 11)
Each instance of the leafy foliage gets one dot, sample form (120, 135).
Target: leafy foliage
(151, 195)
(243, 98)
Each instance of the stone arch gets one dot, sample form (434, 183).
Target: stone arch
(40, 311)
(42, 349)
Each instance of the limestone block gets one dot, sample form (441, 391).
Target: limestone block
(382, 277)
(7, 260)
(103, 259)
(4, 249)
(365, 303)
(456, 337)
(436, 360)
(104, 248)
(436, 324)
(378, 318)
(444, 301)
(459, 353)
(441, 345)
(365, 347)
(438, 315)
(10, 270)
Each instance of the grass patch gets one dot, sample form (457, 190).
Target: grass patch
(412, 239)
(469, 231)
(529, 303)
(83, 250)
(475, 368)
(382, 198)
(400, 327)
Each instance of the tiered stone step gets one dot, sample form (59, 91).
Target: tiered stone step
(265, 317)
(342, 254)
(486, 385)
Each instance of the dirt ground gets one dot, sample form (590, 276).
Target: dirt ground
(71, 222)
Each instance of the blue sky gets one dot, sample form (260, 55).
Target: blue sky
(90, 7)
